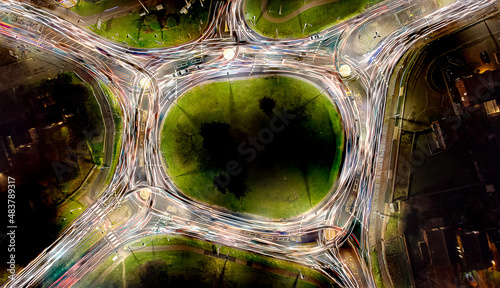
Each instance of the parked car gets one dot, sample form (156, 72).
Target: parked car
(180, 73)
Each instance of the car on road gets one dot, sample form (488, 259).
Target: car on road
(180, 73)
(314, 37)
(470, 278)
(485, 57)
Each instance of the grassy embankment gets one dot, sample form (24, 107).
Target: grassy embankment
(117, 118)
(198, 266)
(320, 17)
(395, 253)
(376, 270)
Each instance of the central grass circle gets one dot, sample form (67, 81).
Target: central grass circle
(269, 146)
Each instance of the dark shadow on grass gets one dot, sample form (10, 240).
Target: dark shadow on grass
(415, 122)
(260, 15)
(133, 255)
(311, 100)
(153, 246)
(108, 24)
(190, 172)
(139, 32)
(192, 120)
(301, 24)
(221, 279)
(303, 173)
(232, 110)
(296, 281)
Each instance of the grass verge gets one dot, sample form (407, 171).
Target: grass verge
(376, 270)
(320, 17)
(165, 240)
(123, 29)
(117, 118)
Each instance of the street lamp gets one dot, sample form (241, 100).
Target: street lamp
(80, 20)
(395, 117)
(305, 25)
(71, 211)
(380, 214)
(147, 11)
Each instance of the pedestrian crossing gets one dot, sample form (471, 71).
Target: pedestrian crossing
(113, 239)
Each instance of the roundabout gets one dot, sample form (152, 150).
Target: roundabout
(282, 135)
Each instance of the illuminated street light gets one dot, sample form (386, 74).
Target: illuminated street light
(345, 70)
(147, 11)
(71, 211)
(228, 53)
(145, 83)
(305, 25)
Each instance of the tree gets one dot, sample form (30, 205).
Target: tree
(188, 145)
(267, 104)
(171, 22)
(138, 23)
(148, 20)
(155, 26)
(203, 16)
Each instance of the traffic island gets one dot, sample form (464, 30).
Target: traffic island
(298, 18)
(268, 146)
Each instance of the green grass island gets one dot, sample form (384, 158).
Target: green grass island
(177, 261)
(161, 26)
(269, 146)
(299, 18)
